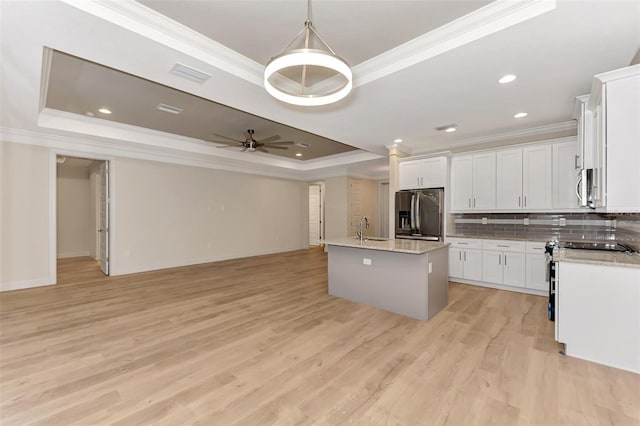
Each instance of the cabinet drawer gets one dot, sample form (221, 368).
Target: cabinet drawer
(469, 243)
(503, 245)
(535, 247)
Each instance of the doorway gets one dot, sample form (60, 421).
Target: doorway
(82, 211)
(384, 209)
(316, 213)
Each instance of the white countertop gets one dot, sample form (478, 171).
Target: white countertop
(596, 257)
(398, 246)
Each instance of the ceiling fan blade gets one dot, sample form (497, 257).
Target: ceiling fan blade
(227, 143)
(227, 137)
(230, 146)
(262, 150)
(282, 143)
(244, 149)
(275, 147)
(269, 139)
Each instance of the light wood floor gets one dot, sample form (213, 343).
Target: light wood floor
(258, 341)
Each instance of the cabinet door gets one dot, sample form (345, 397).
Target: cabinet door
(514, 269)
(509, 179)
(484, 181)
(456, 263)
(536, 179)
(536, 272)
(472, 264)
(433, 172)
(565, 176)
(409, 175)
(461, 183)
(492, 266)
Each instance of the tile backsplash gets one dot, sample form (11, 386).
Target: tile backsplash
(624, 227)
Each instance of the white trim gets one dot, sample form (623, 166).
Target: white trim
(447, 154)
(533, 131)
(66, 255)
(152, 25)
(20, 285)
(480, 23)
(500, 286)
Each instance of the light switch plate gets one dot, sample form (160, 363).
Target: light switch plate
(366, 261)
(526, 221)
(563, 221)
(485, 220)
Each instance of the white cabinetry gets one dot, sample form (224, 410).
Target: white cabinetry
(465, 258)
(565, 176)
(503, 262)
(599, 313)
(423, 173)
(524, 178)
(536, 271)
(615, 105)
(473, 182)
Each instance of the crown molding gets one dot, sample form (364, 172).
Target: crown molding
(150, 24)
(494, 17)
(541, 131)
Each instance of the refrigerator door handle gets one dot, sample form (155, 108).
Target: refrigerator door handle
(418, 213)
(413, 214)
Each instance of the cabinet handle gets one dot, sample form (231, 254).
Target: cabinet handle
(460, 256)
(505, 260)
(417, 181)
(463, 244)
(525, 201)
(499, 259)
(469, 202)
(465, 256)
(519, 199)
(575, 164)
(474, 202)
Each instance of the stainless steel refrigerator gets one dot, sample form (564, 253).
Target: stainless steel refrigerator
(419, 214)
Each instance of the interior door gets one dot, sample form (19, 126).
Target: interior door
(314, 215)
(104, 217)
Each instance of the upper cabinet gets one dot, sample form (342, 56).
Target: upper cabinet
(423, 173)
(473, 182)
(524, 178)
(615, 106)
(565, 176)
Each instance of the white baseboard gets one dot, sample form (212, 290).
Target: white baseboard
(20, 285)
(501, 287)
(73, 254)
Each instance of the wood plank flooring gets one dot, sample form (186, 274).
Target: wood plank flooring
(258, 341)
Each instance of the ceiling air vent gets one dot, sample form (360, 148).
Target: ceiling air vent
(184, 71)
(169, 108)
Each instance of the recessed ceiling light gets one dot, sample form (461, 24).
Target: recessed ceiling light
(397, 140)
(298, 154)
(507, 79)
(450, 129)
(105, 110)
(520, 115)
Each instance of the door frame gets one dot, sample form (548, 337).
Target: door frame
(322, 222)
(53, 206)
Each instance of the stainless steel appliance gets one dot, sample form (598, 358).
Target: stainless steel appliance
(419, 214)
(585, 189)
(552, 267)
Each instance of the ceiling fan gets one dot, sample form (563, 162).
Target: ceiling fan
(251, 145)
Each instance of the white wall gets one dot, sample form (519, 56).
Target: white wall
(165, 215)
(170, 215)
(73, 211)
(24, 225)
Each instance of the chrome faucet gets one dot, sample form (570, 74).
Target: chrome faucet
(366, 225)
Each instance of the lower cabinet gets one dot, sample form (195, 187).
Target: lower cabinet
(509, 263)
(506, 268)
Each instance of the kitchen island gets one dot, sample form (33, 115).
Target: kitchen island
(408, 277)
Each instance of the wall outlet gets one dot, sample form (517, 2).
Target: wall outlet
(563, 221)
(526, 221)
(485, 220)
(366, 261)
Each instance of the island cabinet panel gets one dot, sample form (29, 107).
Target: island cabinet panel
(414, 285)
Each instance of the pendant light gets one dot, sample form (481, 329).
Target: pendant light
(310, 75)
